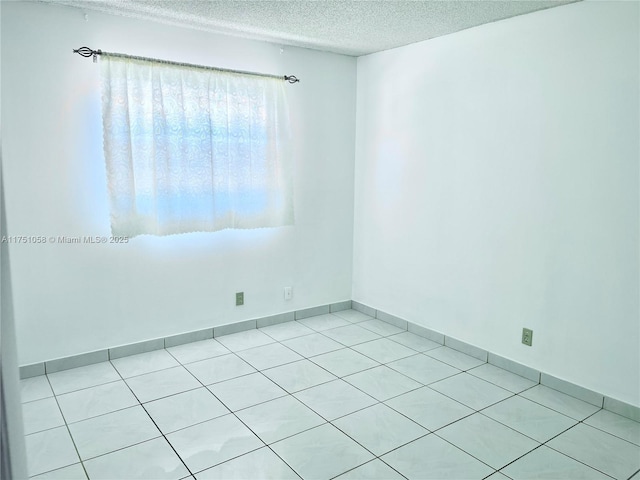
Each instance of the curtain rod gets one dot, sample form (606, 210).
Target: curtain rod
(88, 52)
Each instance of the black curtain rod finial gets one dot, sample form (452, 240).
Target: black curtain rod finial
(87, 52)
(291, 79)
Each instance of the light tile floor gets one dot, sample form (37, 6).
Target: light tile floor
(334, 396)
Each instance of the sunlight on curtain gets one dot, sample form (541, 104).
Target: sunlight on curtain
(189, 149)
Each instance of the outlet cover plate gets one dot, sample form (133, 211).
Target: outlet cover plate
(288, 293)
(239, 299)
(527, 336)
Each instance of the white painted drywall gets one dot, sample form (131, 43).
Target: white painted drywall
(13, 457)
(497, 188)
(74, 298)
(13, 461)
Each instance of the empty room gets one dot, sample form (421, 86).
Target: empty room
(254, 240)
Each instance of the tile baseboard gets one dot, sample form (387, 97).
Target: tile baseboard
(135, 348)
(275, 319)
(188, 337)
(111, 353)
(466, 348)
(392, 319)
(338, 307)
(363, 308)
(236, 327)
(622, 408)
(32, 370)
(564, 386)
(65, 363)
(514, 367)
(426, 333)
(569, 388)
(312, 312)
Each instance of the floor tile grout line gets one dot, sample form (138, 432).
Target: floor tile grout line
(135, 396)
(285, 393)
(480, 412)
(607, 432)
(565, 454)
(381, 455)
(438, 345)
(352, 323)
(36, 400)
(378, 401)
(378, 364)
(187, 363)
(235, 352)
(240, 456)
(257, 346)
(473, 410)
(66, 425)
(122, 448)
(455, 399)
(546, 444)
(88, 388)
(521, 456)
(561, 453)
(48, 428)
(450, 364)
(144, 373)
(268, 378)
(156, 425)
(199, 360)
(318, 426)
(576, 398)
(452, 444)
(367, 463)
(471, 455)
(356, 373)
(495, 471)
(551, 408)
(440, 379)
(292, 394)
(428, 430)
(304, 357)
(424, 426)
(246, 426)
(372, 452)
(317, 385)
(578, 420)
(497, 385)
(502, 473)
(418, 423)
(82, 420)
(390, 368)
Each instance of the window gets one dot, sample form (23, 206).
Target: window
(191, 149)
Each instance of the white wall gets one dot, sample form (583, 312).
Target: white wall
(13, 461)
(497, 188)
(13, 457)
(73, 298)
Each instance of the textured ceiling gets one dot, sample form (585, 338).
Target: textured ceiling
(351, 27)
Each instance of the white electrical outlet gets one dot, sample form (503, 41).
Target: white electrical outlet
(288, 293)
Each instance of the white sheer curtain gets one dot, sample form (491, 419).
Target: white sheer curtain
(190, 149)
